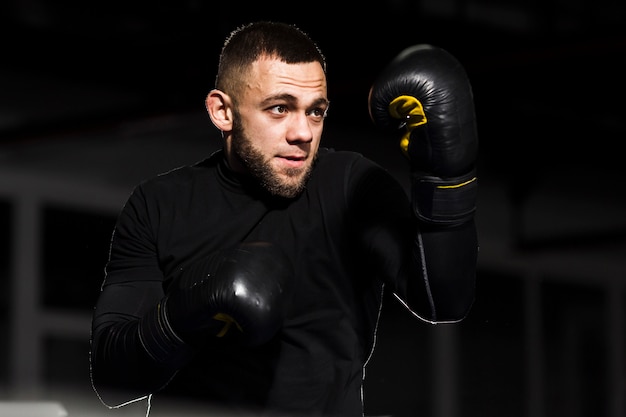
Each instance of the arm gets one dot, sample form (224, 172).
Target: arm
(122, 370)
(142, 335)
(424, 97)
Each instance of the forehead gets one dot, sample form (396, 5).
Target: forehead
(269, 76)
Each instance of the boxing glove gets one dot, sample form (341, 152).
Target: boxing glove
(424, 95)
(241, 292)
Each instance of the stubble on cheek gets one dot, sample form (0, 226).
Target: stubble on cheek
(287, 182)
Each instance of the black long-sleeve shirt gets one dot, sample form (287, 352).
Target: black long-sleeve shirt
(350, 234)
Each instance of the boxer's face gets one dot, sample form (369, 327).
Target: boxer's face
(277, 124)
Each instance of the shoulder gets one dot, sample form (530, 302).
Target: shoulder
(177, 182)
(355, 171)
(332, 154)
(330, 159)
(182, 175)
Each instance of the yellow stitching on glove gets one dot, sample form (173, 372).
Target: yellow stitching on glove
(457, 185)
(410, 109)
(228, 322)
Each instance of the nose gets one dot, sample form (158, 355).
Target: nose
(299, 128)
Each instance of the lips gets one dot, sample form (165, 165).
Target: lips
(294, 157)
(293, 160)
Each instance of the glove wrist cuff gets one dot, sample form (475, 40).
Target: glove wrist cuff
(159, 339)
(444, 201)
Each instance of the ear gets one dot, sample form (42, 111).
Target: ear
(219, 107)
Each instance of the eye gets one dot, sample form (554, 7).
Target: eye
(278, 109)
(318, 112)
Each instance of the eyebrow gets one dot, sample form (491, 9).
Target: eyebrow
(320, 101)
(292, 100)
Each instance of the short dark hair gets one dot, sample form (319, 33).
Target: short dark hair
(247, 43)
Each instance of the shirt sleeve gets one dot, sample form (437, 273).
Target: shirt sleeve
(430, 269)
(121, 369)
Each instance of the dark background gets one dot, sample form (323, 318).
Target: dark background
(549, 93)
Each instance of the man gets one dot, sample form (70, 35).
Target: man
(253, 279)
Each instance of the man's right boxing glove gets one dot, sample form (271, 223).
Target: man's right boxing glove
(425, 94)
(241, 291)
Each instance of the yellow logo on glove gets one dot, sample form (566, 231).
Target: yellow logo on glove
(228, 322)
(409, 109)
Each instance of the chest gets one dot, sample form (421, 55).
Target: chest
(310, 229)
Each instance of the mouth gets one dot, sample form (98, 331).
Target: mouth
(293, 161)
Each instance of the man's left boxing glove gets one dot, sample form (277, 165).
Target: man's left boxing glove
(425, 94)
(242, 291)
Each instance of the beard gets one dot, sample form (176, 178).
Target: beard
(288, 185)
